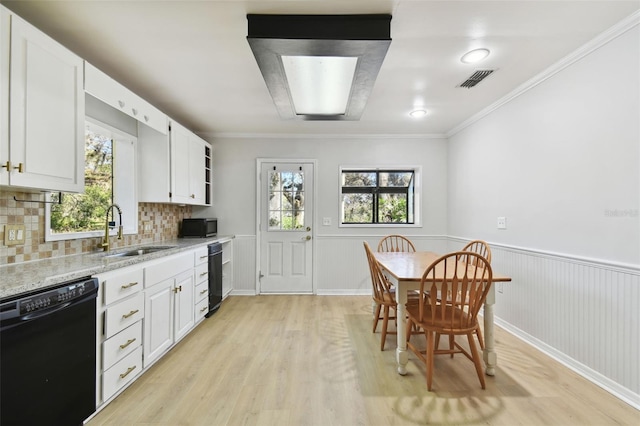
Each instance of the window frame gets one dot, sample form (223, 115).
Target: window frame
(417, 191)
(130, 224)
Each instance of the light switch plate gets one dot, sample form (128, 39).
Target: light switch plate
(502, 222)
(13, 235)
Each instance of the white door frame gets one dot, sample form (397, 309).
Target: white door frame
(259, 189)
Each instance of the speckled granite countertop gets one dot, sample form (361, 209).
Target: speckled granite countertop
(17, 278)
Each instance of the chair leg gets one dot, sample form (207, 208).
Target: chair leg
(480, 338)
(476, 359)
(376, 317)
(385, 321)
(409, 329)
(451, 341)
(429, 356)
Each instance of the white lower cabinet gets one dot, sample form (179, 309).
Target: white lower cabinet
(144, 310)
(121, 373)
(169, 309)
(201, 299)
(120, 316)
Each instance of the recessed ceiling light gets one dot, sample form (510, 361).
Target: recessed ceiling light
(418, 113)
(475, 56)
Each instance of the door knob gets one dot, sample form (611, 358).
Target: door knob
(307, 238)
(308, 228)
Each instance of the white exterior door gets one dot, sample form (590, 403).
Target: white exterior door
(285, 227)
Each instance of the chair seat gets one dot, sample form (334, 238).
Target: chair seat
(442, 322)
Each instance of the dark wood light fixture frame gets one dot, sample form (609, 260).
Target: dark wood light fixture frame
(366, 37)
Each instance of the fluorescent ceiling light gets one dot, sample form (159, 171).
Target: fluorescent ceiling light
(319, 67)
(475, 56)
(319, 84)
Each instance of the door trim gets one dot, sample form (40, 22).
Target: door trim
(259, 162)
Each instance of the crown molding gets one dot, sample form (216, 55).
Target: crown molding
(321, 136)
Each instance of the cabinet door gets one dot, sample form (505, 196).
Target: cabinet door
(184, 304)
(180, 173)
(46, 132)
(197, 170)
(158, 321)
(5, 38)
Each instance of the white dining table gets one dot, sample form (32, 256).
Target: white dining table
(404, 270)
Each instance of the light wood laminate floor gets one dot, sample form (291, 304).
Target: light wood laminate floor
(313, 360)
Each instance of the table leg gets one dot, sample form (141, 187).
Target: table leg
(489, 354)
(401, 351)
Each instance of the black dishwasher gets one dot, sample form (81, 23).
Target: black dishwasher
(215, 277)
(48, 355)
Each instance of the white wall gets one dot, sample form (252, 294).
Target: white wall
(557, 161)
(562, 163)
(234, 186)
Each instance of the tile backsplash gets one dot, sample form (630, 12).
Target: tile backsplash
(164, 219)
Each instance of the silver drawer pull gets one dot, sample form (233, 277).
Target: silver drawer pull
(130, 313)
(203, 291)
(126, 373)
(129, 285)
(203, 257)
(130, 341)
(203, 273)
(203, 309)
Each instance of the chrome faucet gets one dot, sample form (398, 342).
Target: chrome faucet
(105, 239)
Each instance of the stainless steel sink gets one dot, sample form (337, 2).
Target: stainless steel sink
(140, 251)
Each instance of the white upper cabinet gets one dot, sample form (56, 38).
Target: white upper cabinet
(42, 112)
(109, 91)
(174, 168)
(188, 154)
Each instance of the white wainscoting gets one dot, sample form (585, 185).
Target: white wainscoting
(585, 313)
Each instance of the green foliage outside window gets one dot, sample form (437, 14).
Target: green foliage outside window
(86, 212)
(377, 196)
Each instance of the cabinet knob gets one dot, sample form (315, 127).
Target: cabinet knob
(121, 103)
(146, 118)
(134, 111)
(193, 195)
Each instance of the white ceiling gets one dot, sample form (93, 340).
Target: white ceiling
(191, 59)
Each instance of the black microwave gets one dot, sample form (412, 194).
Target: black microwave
(199, 227)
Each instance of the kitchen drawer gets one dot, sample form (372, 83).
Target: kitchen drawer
(117, 347)
(202, 273)
(202, 308)
(121, 283)
(123, 314)
(201, 255)
(202, 291)
(167, 267)
(109, 91)
(121, 373)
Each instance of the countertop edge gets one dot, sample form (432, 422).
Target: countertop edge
(25, 277)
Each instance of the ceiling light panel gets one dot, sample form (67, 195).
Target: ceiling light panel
(319, 84)
(355, 44)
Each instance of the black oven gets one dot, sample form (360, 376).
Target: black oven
(199, 227)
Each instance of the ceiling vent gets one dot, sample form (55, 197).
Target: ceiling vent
(476, 78)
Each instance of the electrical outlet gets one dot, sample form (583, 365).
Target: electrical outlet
(502, 222)
(13, 235)
(326, 221)
(147, 226)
